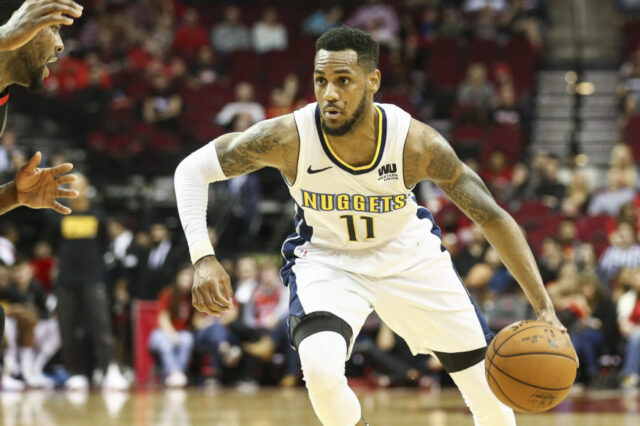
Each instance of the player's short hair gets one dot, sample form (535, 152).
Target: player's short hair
(343, 38)
(7, 7)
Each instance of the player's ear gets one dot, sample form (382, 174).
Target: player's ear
(373, 80)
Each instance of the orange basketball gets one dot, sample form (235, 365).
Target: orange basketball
(531, 366)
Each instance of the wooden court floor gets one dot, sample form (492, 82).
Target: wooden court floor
(271, 407)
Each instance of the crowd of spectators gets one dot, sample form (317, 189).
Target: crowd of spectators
(149, 80)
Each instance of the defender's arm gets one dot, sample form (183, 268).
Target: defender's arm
(429, 156)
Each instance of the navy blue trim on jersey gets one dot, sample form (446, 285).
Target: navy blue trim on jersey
(340, 164)
(303, 235)
(424, 213)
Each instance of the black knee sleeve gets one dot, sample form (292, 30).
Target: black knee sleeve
(458, 361)
(315, 322)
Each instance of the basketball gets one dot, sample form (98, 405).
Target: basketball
(531, 366)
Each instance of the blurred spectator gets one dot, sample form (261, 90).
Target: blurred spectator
(577, 196)
(623, 252)
(9, 237)
(621, 158)
(506, 110)
(476, 5)
(484, 26)
(269, 33)
(83, 302)
(550, 260)
(172, 340)
(206, 69)
(230, 34)
(244, 104)
(322, 21)
(160, 264)
(379, 20)
(629, 324)
(190, 35)
(550, 190)
(498, 174)
(164, 104)
(609, 200)
(123, 267)
(285, 99)
(44, 265)
(476, 95)
(7, 144)
(523, 17)
(14, 322)
(594, 334)
(452, 24)
(268, 311)
(473, 254)
(43, 339)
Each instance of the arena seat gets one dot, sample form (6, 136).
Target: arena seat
(444, 65)
(482, 51)
(145, 320)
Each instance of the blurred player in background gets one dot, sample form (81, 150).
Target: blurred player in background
(29, 39)
(362, 241)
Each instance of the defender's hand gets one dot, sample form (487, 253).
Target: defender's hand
(211, 292)
(33, 16)
(38, 188)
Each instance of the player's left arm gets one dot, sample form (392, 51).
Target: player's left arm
(429, 156)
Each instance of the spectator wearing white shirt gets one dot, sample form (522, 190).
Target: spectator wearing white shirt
(624, 252)
(269, 34)
(243, 105)
(230, 34)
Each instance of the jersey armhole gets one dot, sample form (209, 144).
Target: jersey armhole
(295, 179)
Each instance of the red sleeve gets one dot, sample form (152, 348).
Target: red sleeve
(164, 299)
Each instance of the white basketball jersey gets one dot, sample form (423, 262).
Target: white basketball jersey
(343, 207)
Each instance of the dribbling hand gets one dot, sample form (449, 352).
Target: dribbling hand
(211, 292)
(549, 316)
(33, 16)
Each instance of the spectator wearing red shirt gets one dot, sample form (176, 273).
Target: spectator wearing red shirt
(172, 340)
(191, 35)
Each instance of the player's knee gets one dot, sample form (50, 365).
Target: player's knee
(322, 356)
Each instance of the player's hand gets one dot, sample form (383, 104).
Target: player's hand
(38, 188)
(211, 292)
(33, 16)
(549, 316)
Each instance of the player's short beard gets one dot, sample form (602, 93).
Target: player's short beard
(346, 127)
(31, 73)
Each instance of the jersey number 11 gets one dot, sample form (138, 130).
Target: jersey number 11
(351, 226)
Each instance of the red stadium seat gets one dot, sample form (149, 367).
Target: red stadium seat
(444, 65)
(277, 64)
(245, 65)
(506, 138)
(482, 51)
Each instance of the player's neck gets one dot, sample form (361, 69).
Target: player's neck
(358, 146)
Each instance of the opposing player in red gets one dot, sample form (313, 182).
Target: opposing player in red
(29, 39)
(362, 242)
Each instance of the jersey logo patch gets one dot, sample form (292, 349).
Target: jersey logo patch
(388, 172)
(311, 171)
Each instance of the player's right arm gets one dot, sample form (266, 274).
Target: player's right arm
(270, 143)
(33, 16)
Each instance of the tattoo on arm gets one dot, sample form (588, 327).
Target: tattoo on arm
(247, 151)
(460, 183)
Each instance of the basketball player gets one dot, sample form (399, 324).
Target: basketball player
(361, 242)
(29, 39)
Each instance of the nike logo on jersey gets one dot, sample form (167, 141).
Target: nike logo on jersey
(311, 171)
